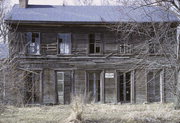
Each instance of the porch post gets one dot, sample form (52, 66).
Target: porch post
(162, 76)
(102, 87)
(133, 86)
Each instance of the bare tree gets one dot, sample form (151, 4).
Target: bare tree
(165, 38)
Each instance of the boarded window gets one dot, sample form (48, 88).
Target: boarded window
(153, 86)
(125, 48)
(64, 43)
(95, 43)
(33, 39)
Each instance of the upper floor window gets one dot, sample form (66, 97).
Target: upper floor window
(153, 48)
(33, 39)
(94, 43)
(125, 48)
(64, 43)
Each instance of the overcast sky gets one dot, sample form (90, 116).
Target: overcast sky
(58, 2)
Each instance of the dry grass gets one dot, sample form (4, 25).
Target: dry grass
(94, 113)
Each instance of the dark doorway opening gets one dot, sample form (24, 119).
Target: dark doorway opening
(32, 85)
(124, 87)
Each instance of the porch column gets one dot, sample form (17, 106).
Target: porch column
(133, 86)
(102, 87)
(162, 79)
(41, 87)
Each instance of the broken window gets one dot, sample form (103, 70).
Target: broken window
(94, 43)
(94, 86)
(64, 43)
(153, 48)
(125, 49)
(33, 39)
(153, 86)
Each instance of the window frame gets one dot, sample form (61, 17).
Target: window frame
(31, 44)
(58, 44)
(97, 43)
(127, 48)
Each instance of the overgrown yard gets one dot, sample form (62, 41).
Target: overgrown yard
(94, 113)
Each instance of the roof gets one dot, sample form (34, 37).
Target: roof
(92, 14)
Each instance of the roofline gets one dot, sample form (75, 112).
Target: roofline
(78, 23)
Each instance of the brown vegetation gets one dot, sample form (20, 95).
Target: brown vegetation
(94, 113)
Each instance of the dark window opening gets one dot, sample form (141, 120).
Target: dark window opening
(94, 43)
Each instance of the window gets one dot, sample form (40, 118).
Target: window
(94, 43)
(125, 49)
(153, 48)
(33, 39)
(64, 43)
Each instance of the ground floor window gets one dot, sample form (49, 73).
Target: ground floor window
(124, 86)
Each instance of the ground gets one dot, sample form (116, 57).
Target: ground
(94, 113)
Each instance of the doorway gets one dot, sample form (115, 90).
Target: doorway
(124, 87)
(63, 86)
(93, 86)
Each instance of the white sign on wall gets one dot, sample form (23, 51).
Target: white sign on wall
(109, 75)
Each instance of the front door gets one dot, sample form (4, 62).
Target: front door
(124, 87)
(94, 86)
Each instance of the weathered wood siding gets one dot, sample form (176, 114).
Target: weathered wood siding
(141, 86)
(49, 86)
(79, 82)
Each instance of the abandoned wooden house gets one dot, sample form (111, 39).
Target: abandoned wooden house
(69, 50)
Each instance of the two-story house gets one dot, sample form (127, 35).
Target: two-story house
(69, 50)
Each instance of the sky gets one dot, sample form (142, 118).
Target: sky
(58, 2)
